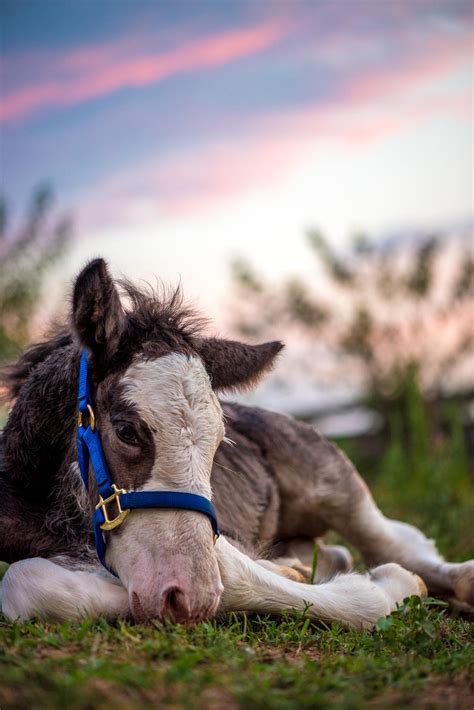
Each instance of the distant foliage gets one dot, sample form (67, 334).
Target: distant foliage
(26, 254)
(386, 314)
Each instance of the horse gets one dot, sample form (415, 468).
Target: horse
(276, 484)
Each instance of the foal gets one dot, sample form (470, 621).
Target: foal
(161, 427)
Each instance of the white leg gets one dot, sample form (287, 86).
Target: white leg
(381, 540)
(42, 589)
(357, 601)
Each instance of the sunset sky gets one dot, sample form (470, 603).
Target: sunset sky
(182, 133)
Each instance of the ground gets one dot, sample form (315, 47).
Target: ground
(418, 656)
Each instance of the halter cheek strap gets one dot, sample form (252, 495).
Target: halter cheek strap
(116, 503)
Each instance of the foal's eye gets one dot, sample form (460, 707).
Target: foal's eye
(127, 433)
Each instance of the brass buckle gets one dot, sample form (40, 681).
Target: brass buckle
(91, 417)
(111, 523)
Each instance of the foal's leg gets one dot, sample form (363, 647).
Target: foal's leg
(298, 554)
(41, 588)
(296, 561)
(320, 489)
(381, 539)
(356, 601)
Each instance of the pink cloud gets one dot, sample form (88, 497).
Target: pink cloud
(382, 103)
(432, 61)
(208, 177)
(99, 71)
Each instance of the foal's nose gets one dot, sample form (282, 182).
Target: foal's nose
(174, 604)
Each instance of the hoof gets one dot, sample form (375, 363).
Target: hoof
(292, 573)
(286, 567)
(398, 582)
(463, 583)
(422, 588)
(292, 568)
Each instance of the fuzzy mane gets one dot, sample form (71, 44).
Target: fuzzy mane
(161, 310)
(14, 376)
(152, 314)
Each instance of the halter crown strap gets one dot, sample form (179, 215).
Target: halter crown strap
(89, 450)
(84, 390)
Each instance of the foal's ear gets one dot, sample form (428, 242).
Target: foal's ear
(97, 313)
(231, 364)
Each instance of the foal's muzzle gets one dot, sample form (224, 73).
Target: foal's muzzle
(175, 604)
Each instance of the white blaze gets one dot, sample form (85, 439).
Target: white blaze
(173, 395)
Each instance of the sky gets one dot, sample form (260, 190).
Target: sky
(183, 134)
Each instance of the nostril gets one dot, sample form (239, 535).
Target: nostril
(137, 608)
(174, 604)
(172, 601)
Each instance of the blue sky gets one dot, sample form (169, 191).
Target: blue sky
(184, 133)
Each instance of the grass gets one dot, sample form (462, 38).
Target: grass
(420, 656)
(417, 655)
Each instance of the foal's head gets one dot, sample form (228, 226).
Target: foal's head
(160, 423)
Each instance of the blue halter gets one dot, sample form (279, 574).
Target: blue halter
(89, 449)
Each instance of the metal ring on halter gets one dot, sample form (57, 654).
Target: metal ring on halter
(91, 417)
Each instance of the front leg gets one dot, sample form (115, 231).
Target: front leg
(356, 601)
(43, 589)
(46, 590)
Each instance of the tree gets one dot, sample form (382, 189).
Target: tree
(388, 315)
(26, 254)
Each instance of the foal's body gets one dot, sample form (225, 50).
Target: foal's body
(274, 481)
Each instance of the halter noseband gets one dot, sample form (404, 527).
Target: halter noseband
(89, 449)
